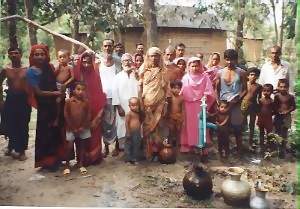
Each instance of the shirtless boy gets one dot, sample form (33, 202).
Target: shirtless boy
(133, 131)
(264, 119)
(176, 112)
(77, 117)
(249, 105)
(16, 110)
(284, 104)
(222, 122)
(64, 76)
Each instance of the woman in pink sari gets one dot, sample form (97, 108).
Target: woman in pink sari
(213, 66)
(196, 84)
(85, 71)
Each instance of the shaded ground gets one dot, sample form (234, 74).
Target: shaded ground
(116, 184)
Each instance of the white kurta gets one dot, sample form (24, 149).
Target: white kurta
(271, 76)
(107, 75)
(123, 89)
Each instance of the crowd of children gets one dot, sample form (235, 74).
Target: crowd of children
(271, 106)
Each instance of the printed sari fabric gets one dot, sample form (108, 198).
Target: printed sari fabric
(49, 138)
(154, 98)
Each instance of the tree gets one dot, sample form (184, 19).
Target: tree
(242, 17)
(297, 39)
(150, 23)
(12, 27)
(31, 31)
(274, 19)
(240, 28)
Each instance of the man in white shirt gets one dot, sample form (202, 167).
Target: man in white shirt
(125, 86)
(274, 69)
(108, 49)
(108, 70)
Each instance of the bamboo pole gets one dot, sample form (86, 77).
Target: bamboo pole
(32, 23)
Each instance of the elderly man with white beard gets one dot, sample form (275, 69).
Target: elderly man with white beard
(125, 86)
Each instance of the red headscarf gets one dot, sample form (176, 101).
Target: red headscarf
(91, 78)
(31, 98)
(44, 47)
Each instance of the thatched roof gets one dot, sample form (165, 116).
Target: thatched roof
(181, 17)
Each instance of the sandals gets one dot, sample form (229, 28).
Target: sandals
(83, 170)
(66, 172)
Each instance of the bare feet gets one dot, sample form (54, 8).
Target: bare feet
(115, 153)
(22, 157)
(8, 152)
(19, 156)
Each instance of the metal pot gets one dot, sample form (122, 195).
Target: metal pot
(197, 183)
(259, 201)
(234, 191)
(167, 154)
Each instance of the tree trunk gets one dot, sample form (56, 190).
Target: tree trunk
(75, 33)
(91, 36)
(239, 29)
(275, 22)
(150, 23)
(281, 28)
(297, 38)
(31, 30)
(12, 27)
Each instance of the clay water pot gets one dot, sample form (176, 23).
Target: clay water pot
(197, 183)
(167, 154)
(234, 191)
(259, 201)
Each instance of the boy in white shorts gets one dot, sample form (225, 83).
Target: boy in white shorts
(77, 119)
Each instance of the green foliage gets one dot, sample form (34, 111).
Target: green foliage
(255, 13)
(290, 20)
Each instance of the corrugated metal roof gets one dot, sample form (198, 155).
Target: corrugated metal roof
(181, 17)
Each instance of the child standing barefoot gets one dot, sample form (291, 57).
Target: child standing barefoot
(284, 105)
(133, 131)
(176, 113)
(64, 77)
(265, 114)
(249, 105)
(222, 121)
(77, 118)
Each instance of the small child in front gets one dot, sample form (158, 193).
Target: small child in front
(133, 131)
(64, 76)
(77, 119)
(264, 119)
(223, 130)
(176, 112)
(284, 104)
(249, 105)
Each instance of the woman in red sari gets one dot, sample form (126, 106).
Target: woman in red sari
(86, 71)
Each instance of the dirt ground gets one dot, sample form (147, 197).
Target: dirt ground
(116, 184)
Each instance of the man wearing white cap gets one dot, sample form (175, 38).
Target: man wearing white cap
(154, 87)
(125, 86)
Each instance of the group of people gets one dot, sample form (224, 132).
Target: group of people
(138, 102)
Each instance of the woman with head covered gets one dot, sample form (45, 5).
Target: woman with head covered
(196, 84)
(154, 87)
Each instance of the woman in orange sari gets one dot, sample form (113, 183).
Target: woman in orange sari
(154, 86)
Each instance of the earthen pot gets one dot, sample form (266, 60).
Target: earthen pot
(167, 154)
(235, 191)
(197, 183)
(259, 201)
